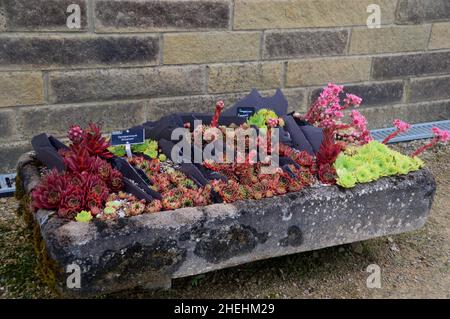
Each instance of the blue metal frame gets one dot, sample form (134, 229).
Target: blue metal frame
(417, 131)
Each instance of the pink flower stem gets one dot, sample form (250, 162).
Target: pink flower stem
(390, 137)
(425, 147)
(215, 119)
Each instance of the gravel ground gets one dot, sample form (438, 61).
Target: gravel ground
(413, 265)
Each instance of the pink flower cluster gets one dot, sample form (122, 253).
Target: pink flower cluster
(359, 122)
(442, 136)
(352, 99)
(328, 111)
(401, 126)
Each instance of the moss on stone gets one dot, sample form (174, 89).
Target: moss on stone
(47, 268)
(20, 192)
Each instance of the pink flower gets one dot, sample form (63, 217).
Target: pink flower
(335, 89)
(220, 104)
(442, 135)
(401, 126)
(339, 114)
(359, 120)
(439, 136)
(272, 122)
(352, 99)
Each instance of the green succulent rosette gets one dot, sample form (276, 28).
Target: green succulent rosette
(83, 216)
(363, 164)
(346, 179)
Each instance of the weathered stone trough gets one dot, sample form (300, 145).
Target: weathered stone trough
(150, 250)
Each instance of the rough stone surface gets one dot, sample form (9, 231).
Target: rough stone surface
(136, 15)
(266, 14)
(244, 76)
(38, 15)
(60, 51)
(21, 88)
(378, 117)
(206, 47)
(324, 71)
(2, 20)
(154, 248)
(388, 67)
(109, 84)
(56, 120)
(380, 93)
(288, 44)
(389, 39)
(165, 106)
(440, 38)
(9, 153)
(420, 11)
(7, 124)
(297, 99)
(429, 89)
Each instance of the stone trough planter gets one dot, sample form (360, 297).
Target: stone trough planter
(150, 250)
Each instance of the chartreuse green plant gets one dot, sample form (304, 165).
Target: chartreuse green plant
(263, 118)
(149, 148)
(84, 216)
(370, 162)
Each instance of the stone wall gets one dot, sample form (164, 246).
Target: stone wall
(135, 60)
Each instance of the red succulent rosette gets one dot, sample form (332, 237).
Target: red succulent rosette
(93, 201)
(116, 181)
(94, 142)
(327, 174)
(49, 192)
(94, 184)
(72, 202)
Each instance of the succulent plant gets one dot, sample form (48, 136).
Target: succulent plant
(113, 203)
(372, 161)
(93, 200)
(72, 202)
(264, 118)
(327, 174)
(75, 134)
(135, 208)
(78, 160)
(49, 192)
(326, 156)
(118, 150)
(83, 216)
(109, 210)
(93, 184)
(87, 181)
(302, 158)
(363, 175)
(346, 179)
(149, 148)
(116, 181)
(94, 143)
(154, 206)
